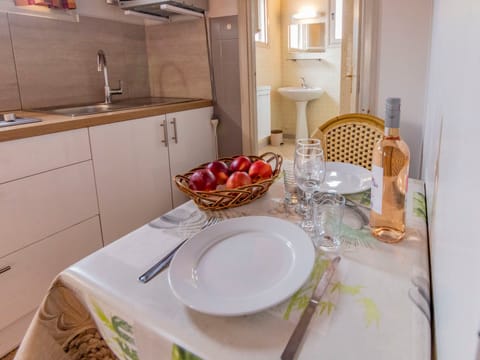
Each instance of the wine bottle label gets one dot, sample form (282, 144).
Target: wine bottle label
(377, 189)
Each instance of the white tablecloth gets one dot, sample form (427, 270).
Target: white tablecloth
(377, 305)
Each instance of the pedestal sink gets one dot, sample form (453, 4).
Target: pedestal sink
(301, 96)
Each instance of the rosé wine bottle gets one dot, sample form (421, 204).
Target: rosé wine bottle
(391, 159)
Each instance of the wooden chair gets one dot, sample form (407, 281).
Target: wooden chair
(350, 138)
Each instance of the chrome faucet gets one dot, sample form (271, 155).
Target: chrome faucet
(102, 66)
(303, 85)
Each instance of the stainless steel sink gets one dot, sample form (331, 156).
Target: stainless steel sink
(90, 109)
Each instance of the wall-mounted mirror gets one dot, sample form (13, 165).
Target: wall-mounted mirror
(306, 38)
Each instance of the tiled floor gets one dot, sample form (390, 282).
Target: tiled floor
(287, 149)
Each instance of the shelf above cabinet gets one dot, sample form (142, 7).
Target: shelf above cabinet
(39, 11)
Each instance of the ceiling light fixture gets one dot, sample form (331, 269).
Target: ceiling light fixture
(305, 13)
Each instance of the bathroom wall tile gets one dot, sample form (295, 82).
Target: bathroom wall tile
(9, 96)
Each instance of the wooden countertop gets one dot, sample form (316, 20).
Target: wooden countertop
(55, 123)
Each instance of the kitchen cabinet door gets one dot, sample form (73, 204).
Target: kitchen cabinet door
(38, 206)
(33, 268)
(132, 174)
(191, 143)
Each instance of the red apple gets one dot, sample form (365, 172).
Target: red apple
(220, 170)
(202, 180)
(237, 179)
(240, 163)
(260, 170)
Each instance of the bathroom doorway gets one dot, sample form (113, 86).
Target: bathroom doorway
(337, 69)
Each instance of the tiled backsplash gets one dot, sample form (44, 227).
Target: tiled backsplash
(49, 62)
(56, 60)
(9, 97)
(178, 60)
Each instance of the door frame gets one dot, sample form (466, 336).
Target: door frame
(366, 91)
(248, 101)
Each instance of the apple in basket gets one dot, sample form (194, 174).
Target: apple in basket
(260, 170)
(237, 179)
(240, 163)
(220, 170)
(202, 180)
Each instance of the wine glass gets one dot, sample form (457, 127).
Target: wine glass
(309, 170)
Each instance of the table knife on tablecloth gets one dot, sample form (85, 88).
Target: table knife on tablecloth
(302, 325)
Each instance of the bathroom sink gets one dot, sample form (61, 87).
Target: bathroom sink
(90, 109)
(300, 94)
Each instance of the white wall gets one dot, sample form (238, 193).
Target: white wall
(454, 194)
(403, 53)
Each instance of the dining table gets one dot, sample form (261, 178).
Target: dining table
(377, 305)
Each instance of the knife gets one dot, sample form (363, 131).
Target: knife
(297, 336)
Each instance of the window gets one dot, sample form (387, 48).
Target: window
(335, 23)
(261, 35)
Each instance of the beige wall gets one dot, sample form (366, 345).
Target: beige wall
(178, 62)
(269, 62)
(273, 66)
(324, 74)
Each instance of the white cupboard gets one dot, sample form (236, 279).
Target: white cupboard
(132, 174)
(32, 269)
(194, 145)
(59, 193)
(136, 160)
(48, 220)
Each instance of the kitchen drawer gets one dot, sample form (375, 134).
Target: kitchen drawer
(25, 157)
(11, 336)
(38, 206)
(34, 267)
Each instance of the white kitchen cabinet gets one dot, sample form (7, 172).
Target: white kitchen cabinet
(33, 268)
(37, 206)
(33, 155)
(132, 174)
(194, 144)
(135, 162)
(48, 220)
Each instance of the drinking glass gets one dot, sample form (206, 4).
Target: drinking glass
(301, 207)
(290, 185)
(309, 170)
(328, 211)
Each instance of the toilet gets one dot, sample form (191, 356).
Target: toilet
(263, 114)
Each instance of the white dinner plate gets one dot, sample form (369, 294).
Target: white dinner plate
(346, 178)
(241, 266)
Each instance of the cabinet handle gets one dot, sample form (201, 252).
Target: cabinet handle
(174, 123)
(165, 132)
(5, 269)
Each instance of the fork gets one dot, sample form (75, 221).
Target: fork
(164, 262)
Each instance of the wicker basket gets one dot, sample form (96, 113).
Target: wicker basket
(223, 199)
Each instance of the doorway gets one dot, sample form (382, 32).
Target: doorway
(270, 65)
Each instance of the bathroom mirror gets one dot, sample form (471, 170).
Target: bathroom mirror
(308, 38)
